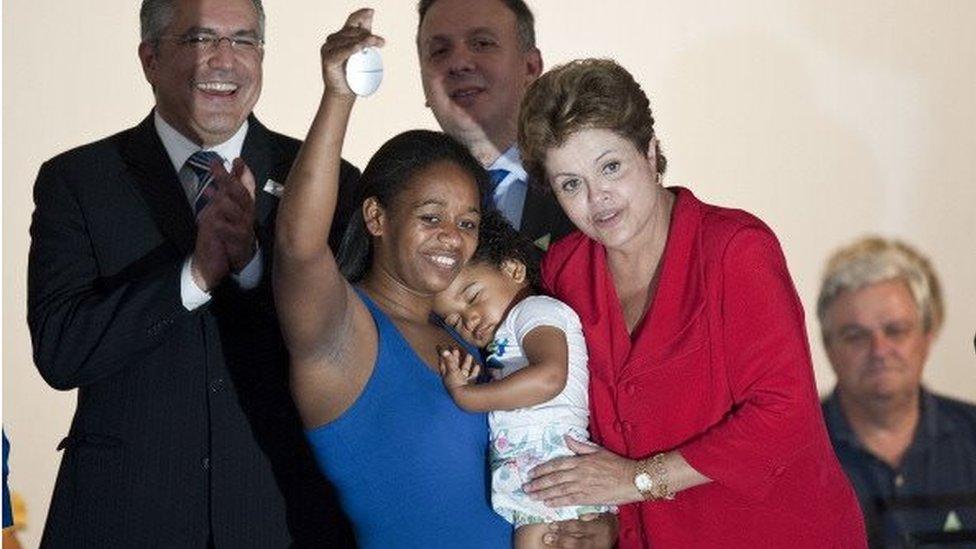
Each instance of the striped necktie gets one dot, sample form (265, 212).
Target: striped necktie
(200, 162)
(495, 177)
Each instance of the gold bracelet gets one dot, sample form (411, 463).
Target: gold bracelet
(661, 490)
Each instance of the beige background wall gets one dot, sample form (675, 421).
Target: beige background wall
(827, 118)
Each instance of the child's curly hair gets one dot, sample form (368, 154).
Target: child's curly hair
(498, 241)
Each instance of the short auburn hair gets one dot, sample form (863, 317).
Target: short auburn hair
(583, 94)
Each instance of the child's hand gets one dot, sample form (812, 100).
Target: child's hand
(456, 373)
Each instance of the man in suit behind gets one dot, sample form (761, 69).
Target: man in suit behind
(149, 292)
(477, 58)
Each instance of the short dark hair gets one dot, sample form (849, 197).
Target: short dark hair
(524, 20)
(498, 242)
(386, 177)
(578, 95)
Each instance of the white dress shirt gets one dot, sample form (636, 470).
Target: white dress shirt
(179, 149)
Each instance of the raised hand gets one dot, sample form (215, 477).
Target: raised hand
(355, 35)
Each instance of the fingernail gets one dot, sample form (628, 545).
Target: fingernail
(549, 539)
(553, 526)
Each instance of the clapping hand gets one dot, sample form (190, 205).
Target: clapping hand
(225, 227)
(234, 203)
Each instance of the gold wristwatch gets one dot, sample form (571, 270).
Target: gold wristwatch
(651, 479)
(643, 481)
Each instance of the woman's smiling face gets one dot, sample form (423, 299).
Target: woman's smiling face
(431, 229)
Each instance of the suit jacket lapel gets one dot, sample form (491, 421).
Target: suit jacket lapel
(265, 162)
(531, 218)
(536, 218)
(543, 221)
(158, 183)
(679, 301)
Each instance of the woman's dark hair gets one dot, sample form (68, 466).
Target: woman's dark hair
(386, 176)
(498, 241)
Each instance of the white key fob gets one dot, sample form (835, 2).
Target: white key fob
(364, 71)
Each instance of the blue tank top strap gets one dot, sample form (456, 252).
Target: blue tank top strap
(380, 317)
(468, 348)
(374, 310)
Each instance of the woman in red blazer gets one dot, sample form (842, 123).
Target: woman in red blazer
(701, 385)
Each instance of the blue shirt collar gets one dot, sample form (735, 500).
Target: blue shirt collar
(510, 160)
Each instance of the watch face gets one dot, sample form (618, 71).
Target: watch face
(643, 482)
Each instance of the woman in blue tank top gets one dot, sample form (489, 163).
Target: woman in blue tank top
(409, 465)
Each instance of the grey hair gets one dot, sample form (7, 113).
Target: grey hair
(873, 259)
(524, 20)
(156, 15)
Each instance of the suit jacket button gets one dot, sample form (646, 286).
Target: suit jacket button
(217, 385)
(205, 463)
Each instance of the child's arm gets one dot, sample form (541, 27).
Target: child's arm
(542, 379)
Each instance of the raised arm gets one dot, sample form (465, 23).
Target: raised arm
(313, 299)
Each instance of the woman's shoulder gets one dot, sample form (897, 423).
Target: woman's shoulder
(720, 226)
(717, 221)
(566, 248)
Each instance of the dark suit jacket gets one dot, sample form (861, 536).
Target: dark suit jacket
(185, 430)
(543, 220)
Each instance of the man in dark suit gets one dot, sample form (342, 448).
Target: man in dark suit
(477, 58)
(149, 292)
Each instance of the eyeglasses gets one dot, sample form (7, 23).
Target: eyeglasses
(209, 43)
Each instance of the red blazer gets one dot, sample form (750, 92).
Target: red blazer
(719, 369)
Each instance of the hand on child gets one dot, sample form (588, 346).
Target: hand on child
(455, 372)
(594, 531)
(593, 476)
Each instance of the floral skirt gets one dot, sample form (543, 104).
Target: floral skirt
(514, 452)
